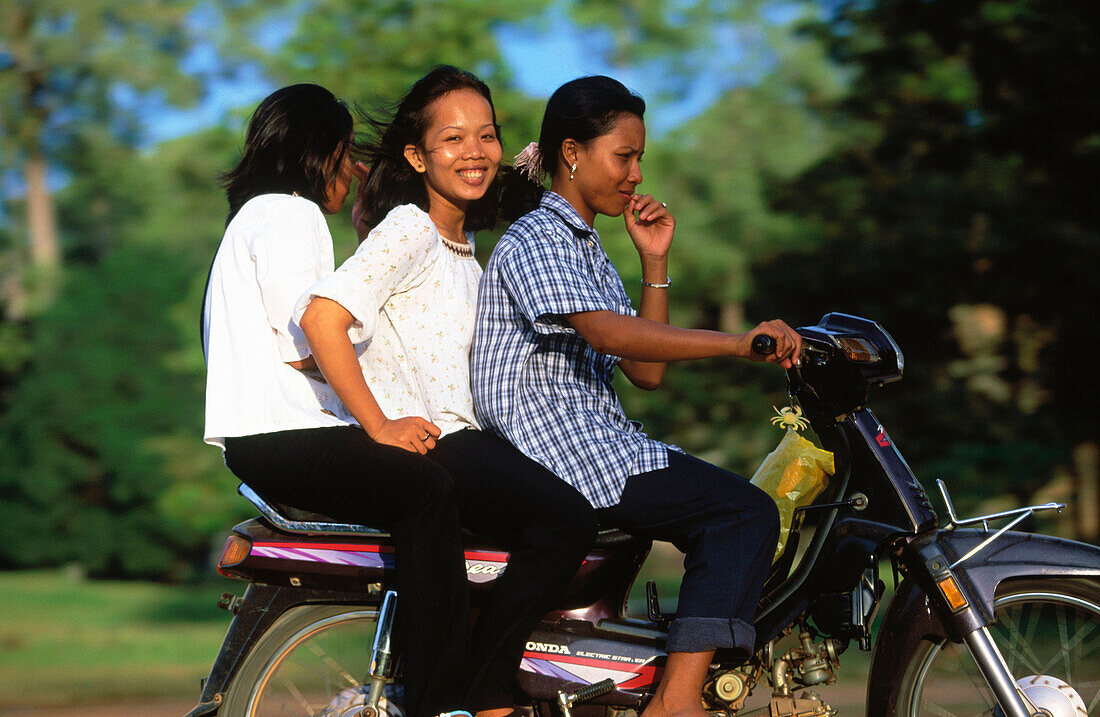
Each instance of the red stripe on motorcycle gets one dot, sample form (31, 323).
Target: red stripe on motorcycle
(646, 677)
(328, 546)
(487, 556)
(373, 548)
(587, 661)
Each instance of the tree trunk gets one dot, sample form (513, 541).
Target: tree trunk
(13, 294)
(45, 250)
(1086, 459)
(731, 318)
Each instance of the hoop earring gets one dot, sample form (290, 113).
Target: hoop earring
(571, 170)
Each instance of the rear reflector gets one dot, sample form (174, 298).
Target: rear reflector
(235, 551)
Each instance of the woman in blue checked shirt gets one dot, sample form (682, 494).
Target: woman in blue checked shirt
(391, 330)
(554, 321)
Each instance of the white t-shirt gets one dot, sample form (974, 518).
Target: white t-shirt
(412, 294)
(275, 248)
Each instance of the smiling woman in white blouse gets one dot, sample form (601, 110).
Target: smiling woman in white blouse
(283, 430)
(391, 331)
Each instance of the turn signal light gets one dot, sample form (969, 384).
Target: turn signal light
(858, 350)
(952, 593)
(235, 551)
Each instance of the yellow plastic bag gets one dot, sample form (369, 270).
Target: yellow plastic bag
(793, 474)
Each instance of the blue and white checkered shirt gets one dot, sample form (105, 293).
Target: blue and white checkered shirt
(535, 380)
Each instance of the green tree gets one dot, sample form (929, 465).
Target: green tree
(100, 456)
(60, 65)
(959, 214)
(372, 53)
(100, 460)
(715, 172)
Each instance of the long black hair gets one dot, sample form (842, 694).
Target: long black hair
(392, 180)
(297, 138)
(582, 110)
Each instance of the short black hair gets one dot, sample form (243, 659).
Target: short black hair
(296, 138)
(582, 110)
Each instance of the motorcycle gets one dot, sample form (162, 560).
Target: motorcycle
(982, 621)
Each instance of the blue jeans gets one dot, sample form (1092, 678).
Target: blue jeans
(727, 529)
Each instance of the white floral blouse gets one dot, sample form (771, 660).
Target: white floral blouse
(413, 294)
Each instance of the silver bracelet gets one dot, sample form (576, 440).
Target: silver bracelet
(665, 285)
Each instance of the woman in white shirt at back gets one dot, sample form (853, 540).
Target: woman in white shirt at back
(282, 428)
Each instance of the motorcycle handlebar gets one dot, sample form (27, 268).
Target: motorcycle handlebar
(763, 345)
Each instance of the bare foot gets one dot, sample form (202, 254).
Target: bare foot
(681, 690)
(499, 712)
(658, 708)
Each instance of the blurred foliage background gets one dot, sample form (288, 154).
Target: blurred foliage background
(930, 164)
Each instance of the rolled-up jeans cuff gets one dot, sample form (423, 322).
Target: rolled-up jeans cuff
(701, 634)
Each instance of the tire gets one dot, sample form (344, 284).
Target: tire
(1049, 627)
(309, 656)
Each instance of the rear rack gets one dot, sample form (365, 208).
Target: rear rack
(318, 525)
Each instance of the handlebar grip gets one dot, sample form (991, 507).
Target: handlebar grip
(763, 345)
(591, 692)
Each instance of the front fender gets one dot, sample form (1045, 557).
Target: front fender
(911, 618)
(1016, 555)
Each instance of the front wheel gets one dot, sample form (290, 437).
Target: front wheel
(312, 661)
(1044, 627)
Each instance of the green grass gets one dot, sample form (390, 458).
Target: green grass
(66, 640)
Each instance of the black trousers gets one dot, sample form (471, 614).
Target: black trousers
(547, 527)
(499, 494)
(727, 528)
(342, 473)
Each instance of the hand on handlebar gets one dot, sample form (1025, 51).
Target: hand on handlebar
(412, 433)
(774, 342)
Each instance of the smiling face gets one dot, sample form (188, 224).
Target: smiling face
(459, 154)
(608, 168)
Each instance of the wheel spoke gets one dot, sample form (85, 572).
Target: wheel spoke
(1063, 640)
(333, 664)
(1053, 630)
(308, 661)
(937, 711)
(1080, 636)
(1019, 646)
(1095, 701)
(297, 695)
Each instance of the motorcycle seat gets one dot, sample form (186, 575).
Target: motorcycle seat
(295, 520)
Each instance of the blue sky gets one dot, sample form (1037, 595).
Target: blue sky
(525, 46)
(738, 56)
